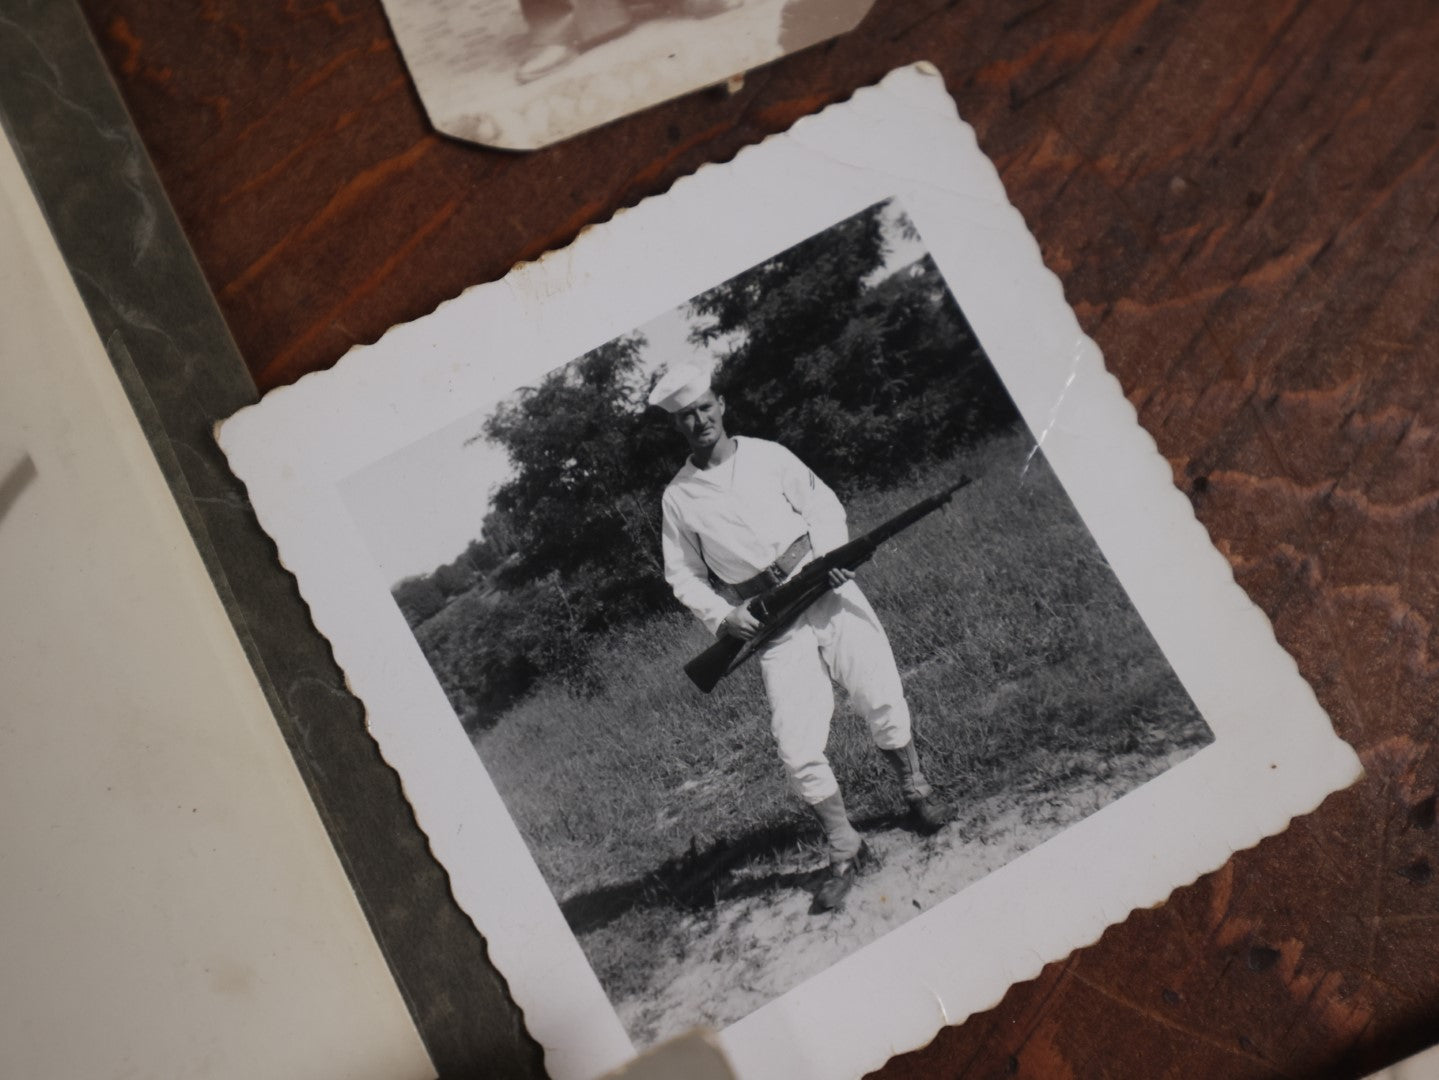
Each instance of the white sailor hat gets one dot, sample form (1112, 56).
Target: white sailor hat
(680, 387)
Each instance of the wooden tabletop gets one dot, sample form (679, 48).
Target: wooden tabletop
(1241, 200)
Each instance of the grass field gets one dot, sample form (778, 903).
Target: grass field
(1021, 655)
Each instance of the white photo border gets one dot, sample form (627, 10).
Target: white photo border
(1275, 754)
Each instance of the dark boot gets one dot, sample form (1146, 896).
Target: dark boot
(846, 851)
(927, 810)
(832, 892)
(597, 21)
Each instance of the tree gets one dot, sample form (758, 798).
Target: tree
(419, 599)
(454, 577)
(864, 376)
(481, 556)
(582, 507)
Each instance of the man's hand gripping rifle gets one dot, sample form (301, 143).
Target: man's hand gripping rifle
(780, 606)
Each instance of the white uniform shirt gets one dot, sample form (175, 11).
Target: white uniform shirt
(738, 517)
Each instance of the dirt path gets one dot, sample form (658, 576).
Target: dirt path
(745, 952)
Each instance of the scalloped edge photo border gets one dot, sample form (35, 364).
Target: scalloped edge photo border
(1275, 753)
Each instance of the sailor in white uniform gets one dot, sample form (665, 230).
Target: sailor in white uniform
(742, 515)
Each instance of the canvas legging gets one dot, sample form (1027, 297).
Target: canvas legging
(837, 639)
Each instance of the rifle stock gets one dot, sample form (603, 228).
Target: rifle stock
(712, 665)
(728, 653)
(778, 607)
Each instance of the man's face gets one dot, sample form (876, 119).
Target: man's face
(702, 423)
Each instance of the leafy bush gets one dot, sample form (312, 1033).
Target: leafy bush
(419, 598)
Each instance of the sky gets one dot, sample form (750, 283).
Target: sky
(420, 507)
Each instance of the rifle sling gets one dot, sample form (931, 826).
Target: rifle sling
(776, 571)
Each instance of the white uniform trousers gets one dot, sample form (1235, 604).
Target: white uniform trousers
(838, 637)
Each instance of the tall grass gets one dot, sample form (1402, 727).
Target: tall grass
(1019, 649)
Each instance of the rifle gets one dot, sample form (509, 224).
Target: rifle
(780, 606)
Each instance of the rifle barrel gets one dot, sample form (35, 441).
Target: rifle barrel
(905, 518)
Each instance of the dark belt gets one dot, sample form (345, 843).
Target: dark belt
(776, 571)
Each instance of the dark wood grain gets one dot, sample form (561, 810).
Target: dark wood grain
(1241, 200)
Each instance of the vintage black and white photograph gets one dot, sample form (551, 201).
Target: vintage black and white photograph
(771, 624)
(524, 73)
(775, 614)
